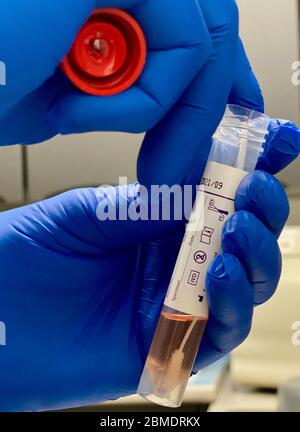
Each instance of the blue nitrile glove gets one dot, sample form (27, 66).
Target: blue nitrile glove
(38, 101)
(80, 298)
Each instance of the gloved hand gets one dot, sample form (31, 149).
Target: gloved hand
(38, 101)
(80, 298)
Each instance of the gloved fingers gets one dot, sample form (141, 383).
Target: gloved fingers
(132, 111)
(244, 275)
(176, 150)
(231, 301)
(43, 33)
(262, 194)
(178, 46)
(245, 90)
(247, 238)
(176, 52)
(281, 148)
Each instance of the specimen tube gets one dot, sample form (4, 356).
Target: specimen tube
(236, 147)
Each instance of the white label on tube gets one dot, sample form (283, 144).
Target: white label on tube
(202, 241)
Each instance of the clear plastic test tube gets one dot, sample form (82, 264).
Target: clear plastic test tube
(236, 147)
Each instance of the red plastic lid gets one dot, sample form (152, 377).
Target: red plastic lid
(108, 55)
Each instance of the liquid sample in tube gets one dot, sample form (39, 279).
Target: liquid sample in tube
(172, 355)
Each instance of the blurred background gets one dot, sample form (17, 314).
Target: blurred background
(249, 380)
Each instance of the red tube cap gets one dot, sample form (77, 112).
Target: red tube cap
(108, 55)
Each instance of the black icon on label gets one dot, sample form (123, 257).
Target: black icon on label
(212, 206)
(194, 277)
(206, 235)
(201, 298)
(200, 257)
